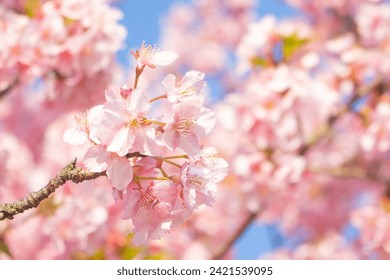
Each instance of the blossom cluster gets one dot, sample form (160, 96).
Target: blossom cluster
(160, 170)
(66, 45)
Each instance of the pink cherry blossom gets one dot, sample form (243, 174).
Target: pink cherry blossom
(124, 125)
(86, 127)
(218, 167)
(199, 178)
(152, 56)
(374, 224)
(188, 126)
(373, 21)
(150, 209)
(119, 169)
(376, 136)
(180, 88)
(198, 186)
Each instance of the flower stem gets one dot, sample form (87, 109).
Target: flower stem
(157, 98)
(173, 157)
(158, 123)
(171, 162)
(163, 172)
(138, 72)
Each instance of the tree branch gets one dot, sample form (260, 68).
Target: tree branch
(226, 247)
(9, 88)
(33, 199)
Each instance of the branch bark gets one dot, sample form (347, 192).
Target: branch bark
(33, 199)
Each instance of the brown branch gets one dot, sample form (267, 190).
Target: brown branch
(135, 154)
(226, 247)
(33, 199)
(9, 88)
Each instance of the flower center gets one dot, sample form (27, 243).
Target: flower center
(82, 121)
(196, 181)
(188, 90)
(147, 52)
(148, 200)
(185, 126)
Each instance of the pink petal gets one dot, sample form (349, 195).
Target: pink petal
(120, 172)
(113, 114)
(130, 204)
(169, 84)
(190, 145)
(121, 142)
(206, 120)
(96, 159)
(110, 95)
(170, 138)
(137, 103)
(139, 237)
(158, 232)
(190, 197)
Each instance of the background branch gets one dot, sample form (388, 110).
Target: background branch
(33, 199)
(9, 88)
(226, 247)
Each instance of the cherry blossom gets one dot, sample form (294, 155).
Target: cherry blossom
(180, 88)
(150, 210)
(152, 57)
(188, 126)
(119, 170)
(125, 119)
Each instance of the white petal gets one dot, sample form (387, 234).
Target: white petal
(163, 58)
(74, 136)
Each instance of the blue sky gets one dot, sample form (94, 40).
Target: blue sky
(142, 19)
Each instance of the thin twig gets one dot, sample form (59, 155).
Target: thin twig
(33, 199)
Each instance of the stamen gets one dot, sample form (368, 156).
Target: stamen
(185, 126)
(196, 181)
(82, 121)
(148, 200)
